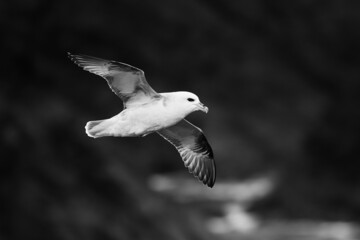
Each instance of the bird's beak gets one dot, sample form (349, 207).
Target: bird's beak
(203, 108)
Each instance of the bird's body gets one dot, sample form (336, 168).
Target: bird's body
(139, 120)
(146, 111)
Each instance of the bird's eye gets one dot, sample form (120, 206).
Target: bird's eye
(190, 99)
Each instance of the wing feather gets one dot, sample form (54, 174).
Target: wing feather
(127, 82)
(194, 149)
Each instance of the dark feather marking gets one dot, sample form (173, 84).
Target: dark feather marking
(194, 149)
(203, 146)
(126, 81)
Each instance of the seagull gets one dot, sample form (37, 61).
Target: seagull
(146, 111)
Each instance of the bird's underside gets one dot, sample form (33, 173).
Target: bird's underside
(129, 83)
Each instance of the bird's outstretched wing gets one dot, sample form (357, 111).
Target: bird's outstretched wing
(125, 81)
(194, 149)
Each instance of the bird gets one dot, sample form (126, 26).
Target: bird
(145, 112)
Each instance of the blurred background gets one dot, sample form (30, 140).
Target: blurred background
(281, 79)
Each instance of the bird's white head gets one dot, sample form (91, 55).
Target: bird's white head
(189, 102)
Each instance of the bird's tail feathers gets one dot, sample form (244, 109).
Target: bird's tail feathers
(96, 129)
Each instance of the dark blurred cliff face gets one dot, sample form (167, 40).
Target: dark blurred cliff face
(281, 80)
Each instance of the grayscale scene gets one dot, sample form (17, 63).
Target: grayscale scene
(273, 85)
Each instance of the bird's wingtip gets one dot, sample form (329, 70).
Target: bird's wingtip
(70, 55)
(210, 184)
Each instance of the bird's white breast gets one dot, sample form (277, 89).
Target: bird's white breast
(147, 118)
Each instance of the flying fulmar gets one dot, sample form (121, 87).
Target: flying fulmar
(146, 111)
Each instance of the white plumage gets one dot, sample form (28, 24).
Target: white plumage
(146, 111)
